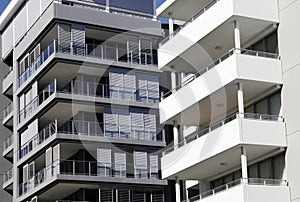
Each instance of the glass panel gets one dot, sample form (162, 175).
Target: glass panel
(279, 165)
(253, 172)
(262, 107)
(265, 169)
(275, 104)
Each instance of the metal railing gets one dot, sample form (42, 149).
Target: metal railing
(102, 8)
(35, 65)
(203, 10)
(248, 181)
(38, 139)
(7, 110)
(8, 175)
(88, 89)
(8, 142)
(262, 117)
(106, 52)
(220, 60)
(89, 168)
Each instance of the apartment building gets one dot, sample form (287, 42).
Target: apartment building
(234, 100)
(83, 92)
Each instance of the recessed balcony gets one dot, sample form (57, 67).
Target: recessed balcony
(8, 179)
(8, 147)
(214, 88)
(7, 83)
(201, 155)
(76, 171)
(8, 115)
(190, 46)
(250, 190)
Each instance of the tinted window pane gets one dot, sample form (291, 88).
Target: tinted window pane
(145, 6)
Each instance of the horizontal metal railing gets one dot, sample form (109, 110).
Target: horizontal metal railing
(248, 181)
(220, 60)
(89, 168)
(88, 89)
(7, 142)
(102, 8)
(199, 13)
(8, 175)
(7, 110)
(262, 117)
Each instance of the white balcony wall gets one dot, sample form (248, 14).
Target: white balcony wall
(234, 133)
(8, 81)
(34, 10)
(224, 11)
(238, 66)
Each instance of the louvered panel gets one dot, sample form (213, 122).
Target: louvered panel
(104, 155)
(78, 39)
(123, 195)
(153, 88)
(120, 158)
(116, 77)
(106, 195)
(64, 38)
(150, 121)
(137, 119)
(111, 122)
(158, 197)
(140, 159)
(124, 123)
(120, 164)
(142, 81)
(133, 43)
(48, 156)
(138, 196)
(129, 80)
(153, 160)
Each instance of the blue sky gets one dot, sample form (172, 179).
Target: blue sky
(3, 4)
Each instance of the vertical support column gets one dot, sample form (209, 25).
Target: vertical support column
(244, 164)
(107, 6)
(237, 37)
(175, 135)
(177, 190)
(173, 79)
(171, 24)
(240, 99)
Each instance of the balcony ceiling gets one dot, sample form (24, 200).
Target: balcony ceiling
(201, 53)
(179, 8)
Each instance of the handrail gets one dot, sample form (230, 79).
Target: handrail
(246, 181)
(221, 123)
(89, 168)
(199, 13)
(218, 61)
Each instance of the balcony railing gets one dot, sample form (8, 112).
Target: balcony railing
(220, 60)
(88, 89)
(38, 139)
(249, 181)
(106, 52)
(8, 175)
(102, 8)
(7, 110)
(8, 142)
(261, 117)
(122, 131)
(35, 65)
(89, 168)
(203, 10)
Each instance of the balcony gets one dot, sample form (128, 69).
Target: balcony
(250, 190)
(83, 51)
(8, 115)
(8, 179)
(90, 132)
(190, 159)
(7, 82)
(251, 68)
(8, 147)
(88, 91)
(89, 171)
(216, 19)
